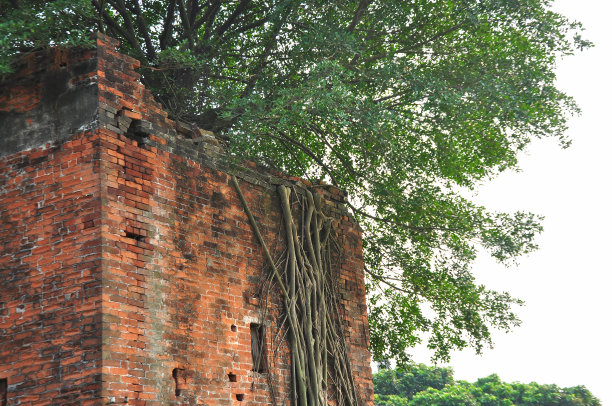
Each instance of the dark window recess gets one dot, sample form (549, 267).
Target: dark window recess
(258, 347)
(177, 374)
(134, 236)
(240, 397)
(234, 328)
(136, 133)
(3, 392)
(232, 377)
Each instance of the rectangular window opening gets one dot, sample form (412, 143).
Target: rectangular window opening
(3, 392)
(258, 347)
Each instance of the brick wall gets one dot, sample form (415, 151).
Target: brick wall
(50, 239)
(157, 280)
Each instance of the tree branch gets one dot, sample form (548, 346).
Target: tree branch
(144, 30)
(186, 24)
(209, 18)
(385, 281)
(127, 20)
(361, 9)
(114, 25)
(245, 28)
(271, 41)
(192, 10)
(240, 8)
(166, 32)
(397, 223)
(347, 165)
(308, 152)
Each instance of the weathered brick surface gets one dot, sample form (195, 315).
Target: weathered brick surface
(50, 239)
(130, 267)
(53, 96)
(50, 275)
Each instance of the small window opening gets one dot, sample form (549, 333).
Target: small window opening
(240, 397)
(177, 375)
(3, 391)
(258, 347)
(232, 377)
(234, 328)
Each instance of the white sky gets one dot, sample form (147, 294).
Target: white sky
(567, 284)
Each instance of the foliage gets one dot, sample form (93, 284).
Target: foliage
(489, 391)
(410, 380)
(407, 105)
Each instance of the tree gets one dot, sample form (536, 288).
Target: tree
(407, 382)
(489, 391)
(407, 105)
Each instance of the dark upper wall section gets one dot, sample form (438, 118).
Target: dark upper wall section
(52, 95)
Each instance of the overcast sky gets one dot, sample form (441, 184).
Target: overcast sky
(567, 285)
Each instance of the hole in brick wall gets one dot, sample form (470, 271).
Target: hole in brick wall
(240, 397)
(258, 347)
(124, 172)
(134, 236)
(234, 328)
(3, 392)
(232, 377)
(176, 374)
(134, 132)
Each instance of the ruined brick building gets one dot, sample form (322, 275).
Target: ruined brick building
(129, 272)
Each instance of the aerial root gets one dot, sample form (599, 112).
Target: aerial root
(316, 332)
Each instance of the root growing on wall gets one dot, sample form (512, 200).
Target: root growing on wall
(321, 371)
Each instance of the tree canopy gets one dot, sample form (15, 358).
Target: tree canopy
(409, 381)
(408, 105)
(420, 385)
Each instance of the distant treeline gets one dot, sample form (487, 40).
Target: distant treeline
(420, 385)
